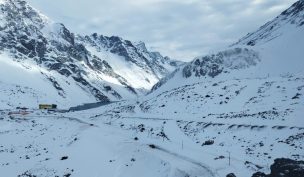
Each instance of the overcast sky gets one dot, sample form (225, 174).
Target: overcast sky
(181, 29)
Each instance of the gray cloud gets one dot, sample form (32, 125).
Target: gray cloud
(180, 29)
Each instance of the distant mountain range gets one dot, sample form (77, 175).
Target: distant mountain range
(96, 67)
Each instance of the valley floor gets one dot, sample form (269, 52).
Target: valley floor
(125, 144)
(55, 145)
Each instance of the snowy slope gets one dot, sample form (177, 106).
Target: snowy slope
(29, 85)
(102, 70)
(245, 101)
(62, 145)
(289, 20)
(277, 50)
(232, 112)
(141, 68)
(26, 84)
(280, 42)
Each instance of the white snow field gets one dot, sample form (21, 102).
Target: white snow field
(235, 111)
(38, 144)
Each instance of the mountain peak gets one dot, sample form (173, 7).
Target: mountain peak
(105, 68)
(297, 9)
(141, 45)
(21, 9)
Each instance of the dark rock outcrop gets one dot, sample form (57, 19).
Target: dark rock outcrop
(213, 65)
(231, 175)
(284, 168)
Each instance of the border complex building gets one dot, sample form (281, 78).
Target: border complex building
(47, 106)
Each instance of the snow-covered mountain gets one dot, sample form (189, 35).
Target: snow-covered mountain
(275, 49)
(291, 19)
(246, 101)
(70, 68)
(233, 113)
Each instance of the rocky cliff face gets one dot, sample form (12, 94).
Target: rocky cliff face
(28, 36)
(133, 53)
(213, 65)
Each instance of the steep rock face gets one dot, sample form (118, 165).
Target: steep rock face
(213, 65)
(292, 17)
(28, 36)
(20, 29)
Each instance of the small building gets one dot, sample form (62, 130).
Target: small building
(47, 106)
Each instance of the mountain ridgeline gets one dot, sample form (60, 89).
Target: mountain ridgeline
(275, 49)
(105, 68)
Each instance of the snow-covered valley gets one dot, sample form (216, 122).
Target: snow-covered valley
(237, 112)
(90, 148)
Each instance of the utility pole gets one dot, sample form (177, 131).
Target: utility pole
(229, 157)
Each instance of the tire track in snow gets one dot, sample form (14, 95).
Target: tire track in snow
(187, 159)
(64, 117)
